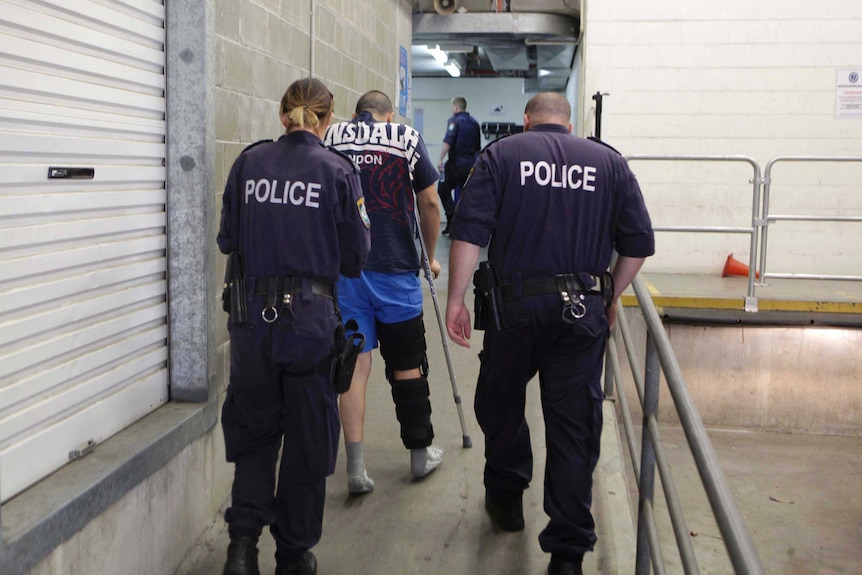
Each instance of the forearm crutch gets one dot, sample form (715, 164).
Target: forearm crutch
(426, 265)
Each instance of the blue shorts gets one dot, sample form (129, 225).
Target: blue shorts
(379, 296)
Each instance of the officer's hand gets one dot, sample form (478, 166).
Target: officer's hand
(458, 323)
(435, 268)
(611, 312)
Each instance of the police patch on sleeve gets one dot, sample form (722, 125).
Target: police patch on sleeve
(360, 205)
(451, 126)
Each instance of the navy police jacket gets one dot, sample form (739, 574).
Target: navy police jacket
(552, 203)
(293, 207)
(464, 137)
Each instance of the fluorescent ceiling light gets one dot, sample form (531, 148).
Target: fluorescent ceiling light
(543, 73)
(456, 47)
(453, 68)
(438, 54)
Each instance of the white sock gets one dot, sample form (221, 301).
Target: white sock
(424, 460)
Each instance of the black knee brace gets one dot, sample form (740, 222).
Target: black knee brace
(413, 408)
(402, 344)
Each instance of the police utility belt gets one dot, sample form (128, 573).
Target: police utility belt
(280, 292)
(490, 294)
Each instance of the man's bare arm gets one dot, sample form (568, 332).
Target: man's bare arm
(429, 222)
(463, 257)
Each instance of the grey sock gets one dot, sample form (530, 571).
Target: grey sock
(355, 462)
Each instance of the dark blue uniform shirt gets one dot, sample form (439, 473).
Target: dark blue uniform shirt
(394, 164)
(463, 137)
(292, 207)
(552, 203)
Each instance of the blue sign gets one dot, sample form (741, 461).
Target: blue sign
(403, 83)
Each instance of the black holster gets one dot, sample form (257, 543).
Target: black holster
(607, 287)
(488, 301)
(347, 350)
(233, 295)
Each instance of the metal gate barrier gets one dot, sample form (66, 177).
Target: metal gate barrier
(761, 217)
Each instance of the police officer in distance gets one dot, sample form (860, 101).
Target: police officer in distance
(293, 213)
(461, 144)
(554, 208)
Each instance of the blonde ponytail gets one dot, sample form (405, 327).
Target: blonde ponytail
(307, 103)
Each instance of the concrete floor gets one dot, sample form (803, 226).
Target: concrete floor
(801, 496)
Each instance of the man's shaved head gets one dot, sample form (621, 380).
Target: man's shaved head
(548, 108)
(375, 102)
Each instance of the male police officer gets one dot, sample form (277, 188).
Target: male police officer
(461, 143)
(386, 300)
(293, 216)
(554, 208)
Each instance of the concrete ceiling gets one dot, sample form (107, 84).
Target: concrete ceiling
(531, 39)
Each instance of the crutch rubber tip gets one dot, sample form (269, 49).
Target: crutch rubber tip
(467, 441)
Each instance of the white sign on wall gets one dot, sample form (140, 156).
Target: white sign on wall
(848, 93)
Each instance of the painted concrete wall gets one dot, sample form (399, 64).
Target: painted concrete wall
(261, 47)
(765, 378)
(726, 78)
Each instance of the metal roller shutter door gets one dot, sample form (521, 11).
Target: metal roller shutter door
(83, 312)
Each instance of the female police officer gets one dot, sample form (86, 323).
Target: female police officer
(294, 213)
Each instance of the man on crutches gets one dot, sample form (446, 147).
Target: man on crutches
(386, 300)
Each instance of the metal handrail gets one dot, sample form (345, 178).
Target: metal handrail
(752, 230)
(767, 217)
(659, 356)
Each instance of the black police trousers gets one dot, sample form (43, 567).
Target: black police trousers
(455, 173)
(279, 392)
(568, 360)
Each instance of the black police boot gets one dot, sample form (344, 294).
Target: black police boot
(305, 565)
(565, 565)
(506, 512)
(241, 557)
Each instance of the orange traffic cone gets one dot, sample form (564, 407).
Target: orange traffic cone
(733, 267)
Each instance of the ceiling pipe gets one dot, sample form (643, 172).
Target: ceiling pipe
(562, 7)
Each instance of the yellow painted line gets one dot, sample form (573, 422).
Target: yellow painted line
(629, 300)
(810, 306)
(652, 289)
(701, 302)
(689, 302)
(739, 304)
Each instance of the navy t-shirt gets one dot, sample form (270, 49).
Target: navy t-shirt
(394, 164)
(292, 207)
(552, 203)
